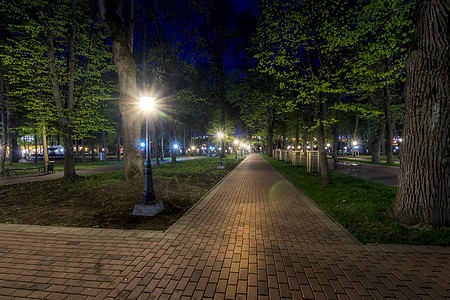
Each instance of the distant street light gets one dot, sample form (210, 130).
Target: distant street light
(149, 205)
(236, 143)
(175, 150)
(220, 136)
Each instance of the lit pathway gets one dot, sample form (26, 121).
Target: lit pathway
(253, 235)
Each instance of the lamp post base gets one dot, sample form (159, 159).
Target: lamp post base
(221, 167)
(148, 210)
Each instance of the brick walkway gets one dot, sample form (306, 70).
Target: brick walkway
(254, 235)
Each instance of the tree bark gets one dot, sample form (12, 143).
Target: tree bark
(423, 195)
(3, 116)
(126, 69)
(64, 118)
(323, 160)
(376, 144)
(336, 137)
(44, 144)
(269, 124)
(387, 117)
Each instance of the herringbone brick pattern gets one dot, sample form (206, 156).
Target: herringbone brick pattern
(254, 236)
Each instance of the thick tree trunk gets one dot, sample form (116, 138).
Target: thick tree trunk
(323, 160)
(64, 118)
(423, 195)
(119, 132)
(133, 162)
(14, 149)
(69, 162)
(387, 117)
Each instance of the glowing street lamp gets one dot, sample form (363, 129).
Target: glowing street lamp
(220, 137)
(175, 149)
(236, 143)
(149, 205)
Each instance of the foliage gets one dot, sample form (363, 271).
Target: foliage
(24, 52)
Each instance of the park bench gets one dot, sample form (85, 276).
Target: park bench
(353, 168)
(19, 172)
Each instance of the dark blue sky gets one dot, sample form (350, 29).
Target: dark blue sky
(241, 4)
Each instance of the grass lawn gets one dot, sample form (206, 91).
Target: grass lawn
(103, 200)
(368, 159)
(59, 164)
(360, 205)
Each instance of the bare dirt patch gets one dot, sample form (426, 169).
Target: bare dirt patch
(98, 200)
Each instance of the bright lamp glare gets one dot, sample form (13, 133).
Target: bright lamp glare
(147, 103)
(220, 135)
(175, 146)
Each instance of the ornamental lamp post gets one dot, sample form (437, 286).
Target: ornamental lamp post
(220, 136)
(236, 143)
(149, 206)
(355, 146)
(175, 149)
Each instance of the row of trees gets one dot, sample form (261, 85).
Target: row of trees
(65, 73)
(291, 68)
(336, 57)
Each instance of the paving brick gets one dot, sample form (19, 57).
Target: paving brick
(254, 236)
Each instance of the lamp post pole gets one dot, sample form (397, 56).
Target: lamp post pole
(220, 136)
(149, 194)
(149, 206)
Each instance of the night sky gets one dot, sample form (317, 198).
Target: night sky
(241, 5)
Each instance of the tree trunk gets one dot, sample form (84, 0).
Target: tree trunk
(119, 132)
(35, 149)
(355, 132)
(69, 161)
(65, 120)
(44, 144)
(93, 146)
(323, 160)
(133, 162)
(297, 128)
(387, 117)
(376, 144)
(14, 149)
(369, 134)
(305, 131)
(336, 138)
(83, 152)
(269, 124)
(423, 195)
(3, 116)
